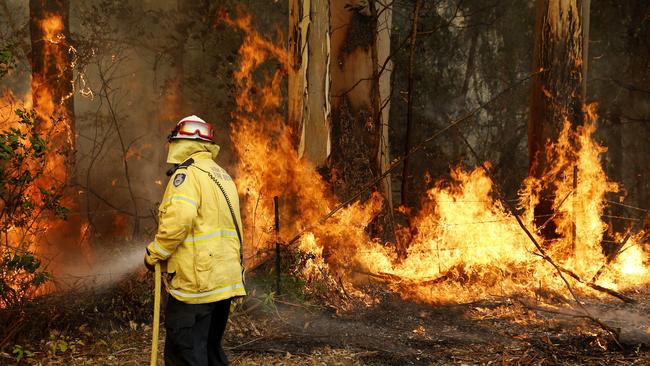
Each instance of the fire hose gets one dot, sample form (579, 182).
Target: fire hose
(156, 316)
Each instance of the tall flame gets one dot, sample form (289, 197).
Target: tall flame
(54, 119)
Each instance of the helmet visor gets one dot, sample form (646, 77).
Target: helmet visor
(192, 129)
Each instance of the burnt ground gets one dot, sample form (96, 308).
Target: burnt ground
(398, 332)
(394, 332)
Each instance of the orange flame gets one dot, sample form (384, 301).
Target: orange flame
(467, 245)
(53, 124)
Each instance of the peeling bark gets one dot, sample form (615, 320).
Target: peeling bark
(360, 91)
(297, 69)
(315, 143)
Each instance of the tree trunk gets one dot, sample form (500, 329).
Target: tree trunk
(315, 136)
(556, 90)
(359, 93)
(409, 104)
(52, 89)
(53, 100)
(297, 68)
(174, 93)
(584, 18)
(615, 173)
(383, 13)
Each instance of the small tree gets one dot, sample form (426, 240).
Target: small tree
(25, 208)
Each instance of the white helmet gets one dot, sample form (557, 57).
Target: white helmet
(193, 128)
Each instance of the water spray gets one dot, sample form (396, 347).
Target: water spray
(105, 270)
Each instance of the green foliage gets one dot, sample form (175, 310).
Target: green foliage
(59, 343)
(7, 60)
(21, 352)
(292, 287)
(23, 206)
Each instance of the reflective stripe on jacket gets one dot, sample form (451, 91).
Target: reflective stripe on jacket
(196, 234)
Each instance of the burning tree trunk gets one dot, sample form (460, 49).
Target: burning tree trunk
(360, 93)
(52, 89)
(350, 135)
(557, 89)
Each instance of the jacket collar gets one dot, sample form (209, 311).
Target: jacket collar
(182, 149)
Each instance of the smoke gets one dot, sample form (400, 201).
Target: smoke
(108, 268)
(632, 323)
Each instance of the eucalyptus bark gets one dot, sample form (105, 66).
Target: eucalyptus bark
(360, 44)
(297, 67)
(556, 88)
(315, 142)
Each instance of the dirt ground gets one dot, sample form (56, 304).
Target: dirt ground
(394, 332)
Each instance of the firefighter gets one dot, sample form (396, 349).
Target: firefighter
(199, 245)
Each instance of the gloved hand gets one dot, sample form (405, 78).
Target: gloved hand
(147, 262)
(150, 267)
(236, 302)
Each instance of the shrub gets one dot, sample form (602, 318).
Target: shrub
(24, 203)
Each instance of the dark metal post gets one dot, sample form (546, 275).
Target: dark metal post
(277, 245)
(574, 227)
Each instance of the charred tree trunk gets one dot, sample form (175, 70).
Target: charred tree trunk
(634, 105)
(585, 21)
(409, 105)
(615, 173)
(360, 45)
(556, 90)
(52, 89)
(339, 88)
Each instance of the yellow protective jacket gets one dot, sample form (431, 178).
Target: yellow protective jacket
(196, 234)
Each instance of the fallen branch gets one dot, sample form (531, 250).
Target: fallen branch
(12, 330)
(547, 310)
(243, 344)
(596, 287)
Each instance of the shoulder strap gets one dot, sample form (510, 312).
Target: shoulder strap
(182, 165)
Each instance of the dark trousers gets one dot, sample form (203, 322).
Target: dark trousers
(194, 333)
